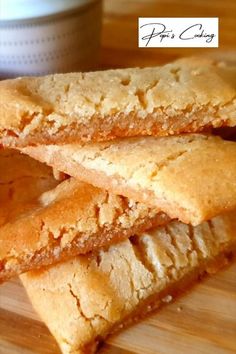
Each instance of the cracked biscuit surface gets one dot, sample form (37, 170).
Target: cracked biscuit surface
(190, 177)
(85, 299)
(22, 179)
(185, 96)
(39, 228)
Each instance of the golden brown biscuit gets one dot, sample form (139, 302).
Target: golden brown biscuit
(70, 219)
(188, 95)
(85, 299)
(22, 179)
(190, 177)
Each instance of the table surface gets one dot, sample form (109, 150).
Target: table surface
(204, 319)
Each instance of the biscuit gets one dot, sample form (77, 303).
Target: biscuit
(85, 299)
(70, 219)
(190, 177)
(22, 179)
(188, 95)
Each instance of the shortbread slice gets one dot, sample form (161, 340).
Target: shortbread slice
(22, 179)
(188, 95)
(85, 299)
(71, 219)
(190, 177)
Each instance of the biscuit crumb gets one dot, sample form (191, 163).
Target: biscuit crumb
(167, 299)
(179, 308)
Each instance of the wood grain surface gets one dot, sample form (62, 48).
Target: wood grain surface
(203, 321)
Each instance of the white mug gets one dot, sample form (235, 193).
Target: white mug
(48, 36)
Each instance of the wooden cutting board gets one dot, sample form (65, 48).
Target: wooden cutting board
(202, 321)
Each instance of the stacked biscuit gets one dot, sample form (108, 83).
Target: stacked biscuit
(139, 199)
